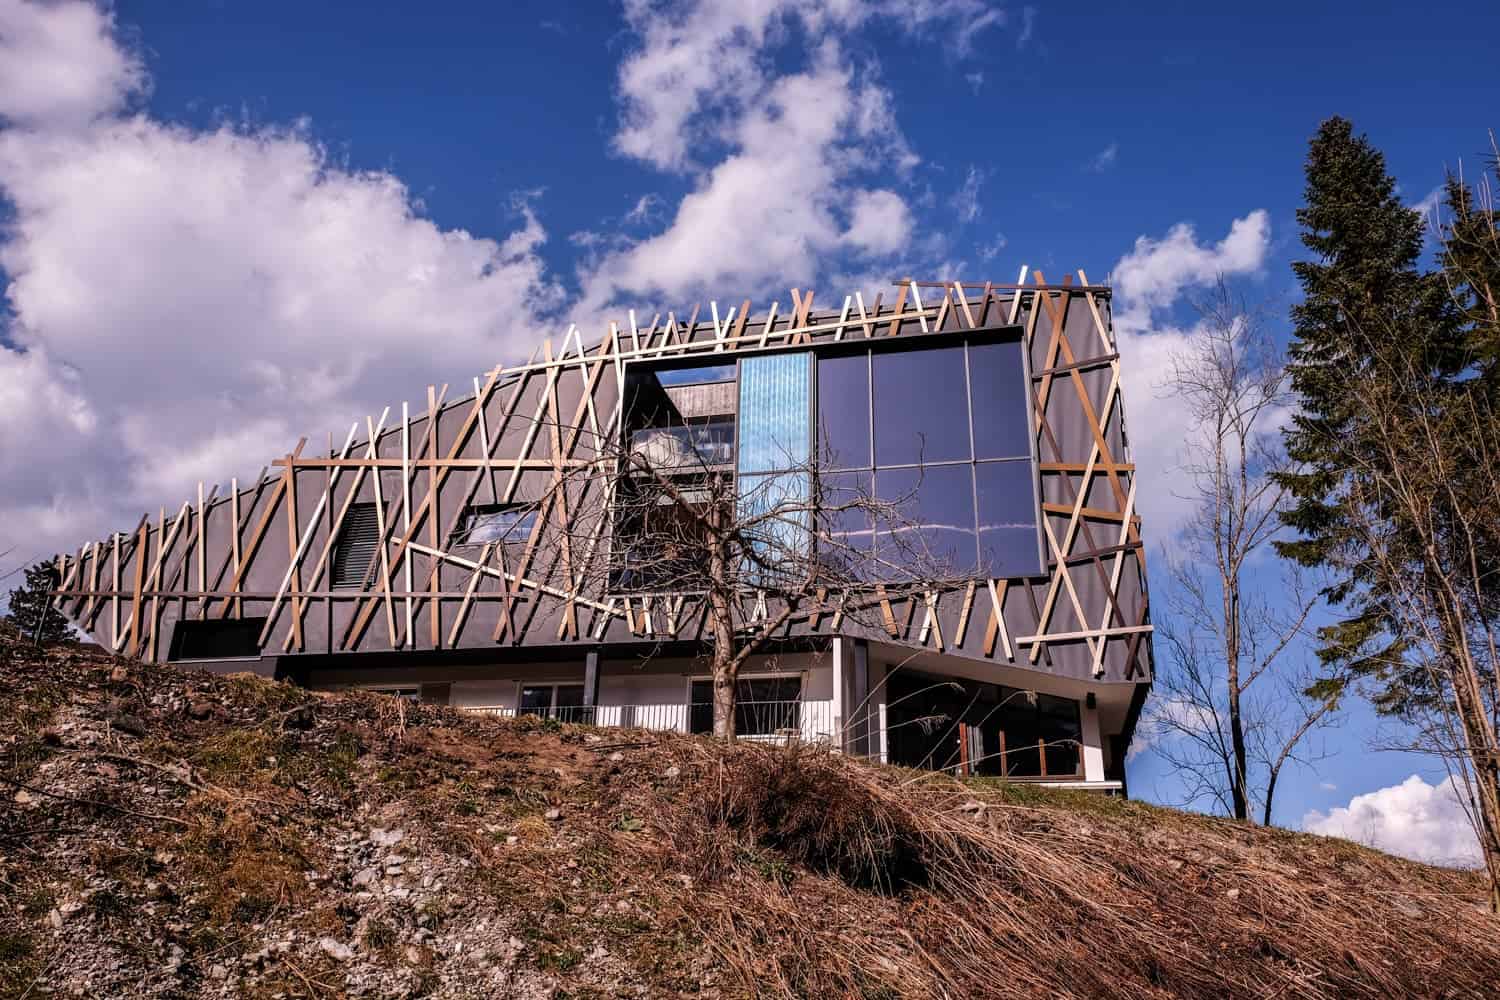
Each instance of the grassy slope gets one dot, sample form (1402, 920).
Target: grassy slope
(188, 835)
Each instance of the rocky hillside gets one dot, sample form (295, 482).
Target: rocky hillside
(168, 833)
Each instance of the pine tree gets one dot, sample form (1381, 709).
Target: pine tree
(31, 610)
(1365, 307)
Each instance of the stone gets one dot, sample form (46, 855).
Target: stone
(218, 971)
(23, 798)
(617, 756)
(131, 724)
(201, 709)
(1232, 894)
(336, 950)
(386, 838)
(552, 815)
(672, 772)
(119, 673)
(366, 876)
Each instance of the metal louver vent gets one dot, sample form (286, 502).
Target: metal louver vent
(358, 538)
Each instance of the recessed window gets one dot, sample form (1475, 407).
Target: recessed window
(359, 540)
(764, 706)
(216, 639)
(554, 701)
(496, 523)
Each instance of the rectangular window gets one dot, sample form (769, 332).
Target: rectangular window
(844, 411)
(216, 639)
(934, 530)
(1007, 518)
(775, 412)
(764, 706)
(563, 702)
(359, 540)
(1001, 399)
(921, 406)
(502, 524)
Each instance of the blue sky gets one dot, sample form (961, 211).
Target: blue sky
(227, 220)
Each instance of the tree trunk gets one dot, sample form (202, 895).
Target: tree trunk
(1238, 779)
(725, 669)
(1485, 756)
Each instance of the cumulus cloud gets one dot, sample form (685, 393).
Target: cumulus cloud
(60, 64)
(183, 303)
(1417, 820)
(783, 184)
(1148, 282)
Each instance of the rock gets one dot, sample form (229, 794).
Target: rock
(1232, 894)
(132, 724)
(386, 838)
(512, 839)
(366, 876)
(617, 756)
(973, 807)
(672, 772)
(119, 673)
(336, 950)
(552, 815)
(55, 918)
(23, 798)
(201, 709)
(218, 971)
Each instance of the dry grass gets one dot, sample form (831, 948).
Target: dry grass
(748, 871)
(936, 888)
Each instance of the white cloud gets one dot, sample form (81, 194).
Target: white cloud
(1413, 819)
(1167, 719)
(1148, 281)
(186, 303)
(992, 249)
(784, 186)
(60, 64)
(1028, 26)
(975, 81)
(966, 199)
(1105, 158)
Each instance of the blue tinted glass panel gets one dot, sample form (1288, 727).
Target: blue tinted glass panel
(844, 412)
(934, 535)
(1002, 413)
(775, 400)
(921, 407)
(846, 535)
(1007, 519)
(776, 522)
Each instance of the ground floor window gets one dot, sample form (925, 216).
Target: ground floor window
(945, 723)
(764, 706)
(554, 701)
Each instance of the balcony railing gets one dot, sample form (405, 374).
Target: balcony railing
(805, 720)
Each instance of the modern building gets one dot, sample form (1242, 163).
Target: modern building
(435, 553)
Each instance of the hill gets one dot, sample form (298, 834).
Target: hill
(171, 833)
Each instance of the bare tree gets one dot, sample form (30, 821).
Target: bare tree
(660, 510)
(1237, 713)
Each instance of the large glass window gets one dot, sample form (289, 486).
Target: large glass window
(921, 406)
(775, 409)
(1002, 410)
(1007, 518)
(935, 525)
(844, 411)
(763, 706)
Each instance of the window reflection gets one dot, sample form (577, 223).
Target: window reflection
(921, 407)
(844, 412)
(936, 520)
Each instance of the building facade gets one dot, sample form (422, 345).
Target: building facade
(457, 552)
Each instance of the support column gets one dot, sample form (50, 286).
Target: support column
(590, 685)
(1093, 744)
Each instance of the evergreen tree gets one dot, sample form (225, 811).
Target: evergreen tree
(31, 610)
(1366, 307)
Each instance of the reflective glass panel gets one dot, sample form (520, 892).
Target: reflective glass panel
(935, 529)
(1007, 518)
(844, 412)
(775, 404)
(921, 406)
(1002, 418)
